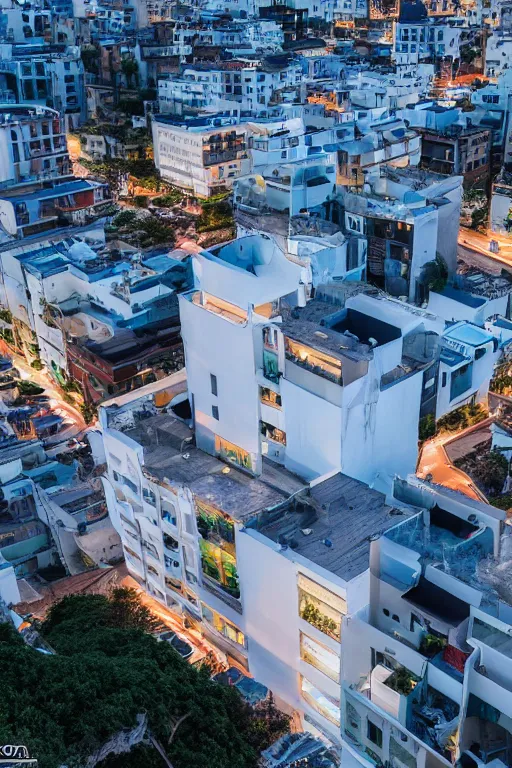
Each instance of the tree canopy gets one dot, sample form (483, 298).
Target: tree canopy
(106, 670)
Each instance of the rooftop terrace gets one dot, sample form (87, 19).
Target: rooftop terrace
(341, 333)
(331, 525)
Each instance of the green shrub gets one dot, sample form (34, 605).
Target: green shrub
(141, 201)
(169, 200)
(427, 427)
(431, 645)
(402, 681)
(490, 471)
(502, 502)
(215, 216)
(29, 388)
(460, 418)
(124, 218)
(89, 412)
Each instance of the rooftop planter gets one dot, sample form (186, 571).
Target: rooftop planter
(402, 681)
(390, 690)
(431, 645)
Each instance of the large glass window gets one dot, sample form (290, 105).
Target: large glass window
(321, 702)
(217, 546)
(313, 360)
(320, 607)
(222, 625)
(232, 453)
(320, 657)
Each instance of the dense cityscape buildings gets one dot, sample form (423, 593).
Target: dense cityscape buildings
(256, 366)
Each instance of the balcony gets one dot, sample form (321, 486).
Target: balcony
(313, 361)
(434, 719)
(452, 544)
(393, 690)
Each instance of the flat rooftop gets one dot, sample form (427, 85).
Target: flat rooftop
(469, 334)
(342, 514)
(462, 297)
(169, 454)
(339, 332)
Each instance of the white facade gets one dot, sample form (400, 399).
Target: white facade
(468, 358)
(313, 420)
(413, 43)
(9, 590)
(443, 635)
(281, 619)
(203, 158)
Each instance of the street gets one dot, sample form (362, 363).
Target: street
(473, 248)
(44, 380)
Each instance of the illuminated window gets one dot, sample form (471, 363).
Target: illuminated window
(232, 453)
(217, 546)
(313, 360)
(269, 397)
(320, 657)
(320, 607)
(321, 702)
(222, 625)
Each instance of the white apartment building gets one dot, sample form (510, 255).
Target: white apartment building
(428, 41)
(329, 375)
(426, 665)
(498, 51)
(406, 218)
(266, 84)
(290, 188)
(213, 545)
(58, 285)
(34, 148)
(200, 155)
(469, 354)
(383, 141)
(276, 142)
(395, 90)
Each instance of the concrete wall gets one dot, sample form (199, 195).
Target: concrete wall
(214, 345)
(313, 430)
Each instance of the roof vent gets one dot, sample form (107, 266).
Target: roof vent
(321, 335)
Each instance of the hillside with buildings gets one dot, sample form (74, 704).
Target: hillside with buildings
(256, 384)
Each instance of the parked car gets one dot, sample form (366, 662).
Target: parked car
(184, 649)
